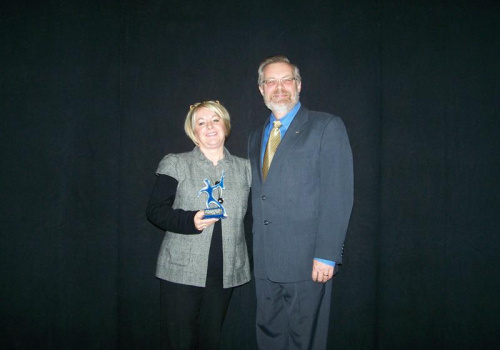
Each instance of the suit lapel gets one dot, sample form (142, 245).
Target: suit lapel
(292, 134)
(256, 148)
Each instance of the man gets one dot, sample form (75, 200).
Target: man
(302, 196)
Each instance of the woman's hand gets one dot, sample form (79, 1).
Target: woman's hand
(201, 223)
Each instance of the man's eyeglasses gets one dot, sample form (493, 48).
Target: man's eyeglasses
(273, 82)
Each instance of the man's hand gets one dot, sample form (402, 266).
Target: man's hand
(321, 272)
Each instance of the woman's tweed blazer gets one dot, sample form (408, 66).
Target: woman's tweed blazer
(184, 258)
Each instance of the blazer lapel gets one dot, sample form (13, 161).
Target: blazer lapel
(256, 147)
(292, 134)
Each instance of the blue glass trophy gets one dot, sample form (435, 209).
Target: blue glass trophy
(214, 207)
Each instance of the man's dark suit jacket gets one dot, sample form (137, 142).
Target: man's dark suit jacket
(302, 210)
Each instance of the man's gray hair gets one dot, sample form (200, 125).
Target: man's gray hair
(277, 59)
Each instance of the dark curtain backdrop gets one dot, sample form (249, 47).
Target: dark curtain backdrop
(94, 93)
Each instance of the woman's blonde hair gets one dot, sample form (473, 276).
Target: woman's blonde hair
(213, 105)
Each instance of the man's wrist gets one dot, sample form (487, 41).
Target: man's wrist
(324, 261)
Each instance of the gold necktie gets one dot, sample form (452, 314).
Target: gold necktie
(272, 145)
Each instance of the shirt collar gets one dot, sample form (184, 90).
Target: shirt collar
(199, 154)
(287, 119)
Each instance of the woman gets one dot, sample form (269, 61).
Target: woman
(201, 259)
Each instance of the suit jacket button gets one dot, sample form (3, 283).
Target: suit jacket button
(266, 222)
(263, 197)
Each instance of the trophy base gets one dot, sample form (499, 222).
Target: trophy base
(215, 213)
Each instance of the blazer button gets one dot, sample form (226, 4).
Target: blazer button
(264, 197)
(266, 222)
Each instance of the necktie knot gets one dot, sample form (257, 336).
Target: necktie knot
(277, 124)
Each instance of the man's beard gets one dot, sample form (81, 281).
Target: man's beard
(283, 106)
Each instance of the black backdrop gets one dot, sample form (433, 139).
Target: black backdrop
(94, 93)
